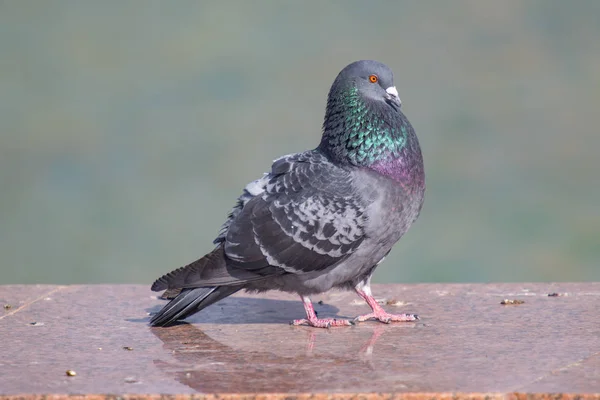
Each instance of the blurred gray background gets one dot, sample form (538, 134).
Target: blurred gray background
(128, 128)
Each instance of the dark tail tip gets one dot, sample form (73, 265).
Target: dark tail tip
(186, 303)
(189, 302)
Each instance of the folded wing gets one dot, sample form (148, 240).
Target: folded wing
(308, 218)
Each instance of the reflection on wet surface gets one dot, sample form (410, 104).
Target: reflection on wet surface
(246, 359)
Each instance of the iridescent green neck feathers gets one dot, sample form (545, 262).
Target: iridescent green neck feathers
(361, 131)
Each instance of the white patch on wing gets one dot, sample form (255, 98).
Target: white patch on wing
(258, 186)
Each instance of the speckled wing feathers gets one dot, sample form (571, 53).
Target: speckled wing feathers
(307, 218)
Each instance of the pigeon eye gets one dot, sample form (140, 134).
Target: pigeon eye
(373, 78)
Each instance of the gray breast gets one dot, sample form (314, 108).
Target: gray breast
(390, 211)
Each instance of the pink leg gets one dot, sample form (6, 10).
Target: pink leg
(379, 313)
(312, 320)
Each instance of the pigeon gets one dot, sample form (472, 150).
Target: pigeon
(321, 219)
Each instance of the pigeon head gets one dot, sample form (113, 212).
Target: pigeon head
(372, 79)
(363, 122)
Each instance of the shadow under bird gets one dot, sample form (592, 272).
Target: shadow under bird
(321, 219)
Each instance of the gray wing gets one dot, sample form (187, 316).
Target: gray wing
(308, 217)
(251, 190)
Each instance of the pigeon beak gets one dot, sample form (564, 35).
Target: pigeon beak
(392, 95)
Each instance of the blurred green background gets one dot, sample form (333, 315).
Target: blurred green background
(128, 128)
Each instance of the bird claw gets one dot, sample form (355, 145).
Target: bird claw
(322, 323)
(387, 318)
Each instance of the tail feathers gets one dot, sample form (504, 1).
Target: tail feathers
(189, 302)
(209, 271)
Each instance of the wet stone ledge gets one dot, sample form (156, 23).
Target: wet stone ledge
(93, 342)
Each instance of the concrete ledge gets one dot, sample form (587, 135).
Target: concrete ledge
(466, 346)
(310, 396)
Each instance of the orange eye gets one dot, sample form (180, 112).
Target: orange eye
(373, 78)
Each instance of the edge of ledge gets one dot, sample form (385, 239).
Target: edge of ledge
(313, 396)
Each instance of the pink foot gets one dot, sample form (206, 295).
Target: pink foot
(322, 323)
(387, 318)
(312, 320)
(379, 313)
